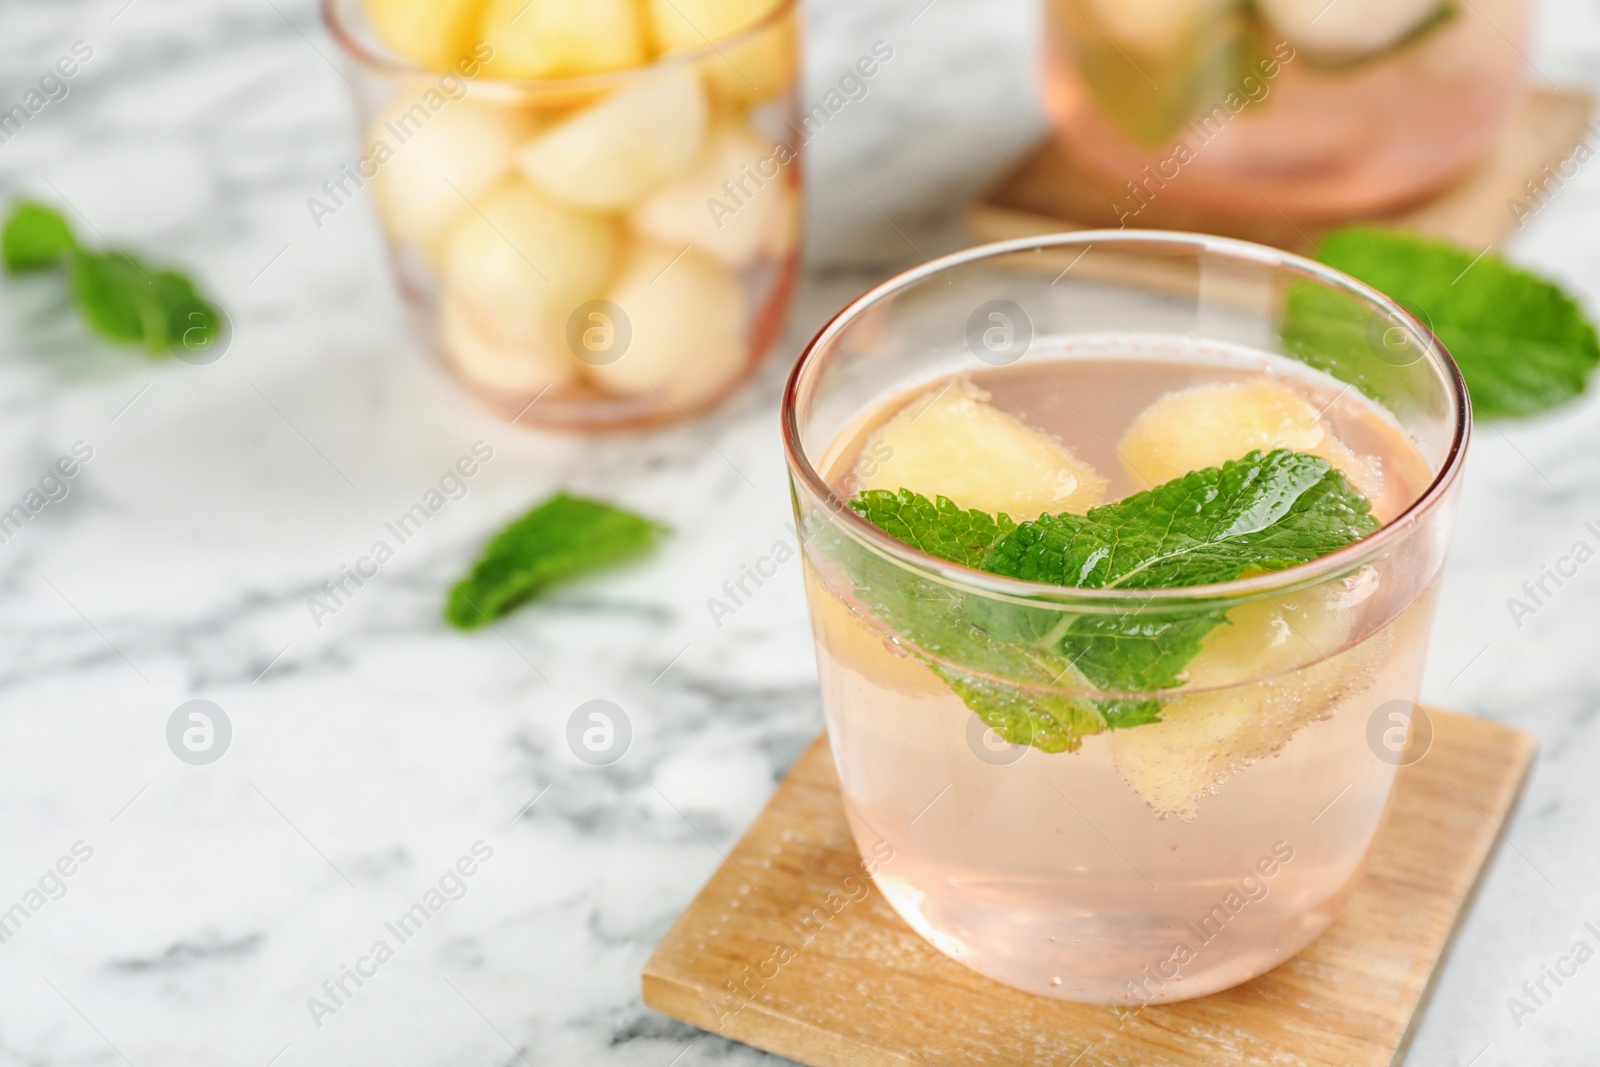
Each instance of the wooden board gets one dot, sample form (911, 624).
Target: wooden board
(1050, 191)
(867, 990)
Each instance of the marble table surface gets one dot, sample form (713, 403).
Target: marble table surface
(377, 753)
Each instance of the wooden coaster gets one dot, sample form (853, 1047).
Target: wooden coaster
(867, 990)
(1050, 191)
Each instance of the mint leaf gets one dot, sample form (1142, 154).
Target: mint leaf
(1251, 515)
(121, 296)
(128, 300)
(1011, 690)
(35, 237)
(560, 539)
(1134, 652)
(1263, 512)
(1260, 513)
(1522, 343)
(1048, 721)
(940, 528)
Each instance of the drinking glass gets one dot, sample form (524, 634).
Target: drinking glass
(1162, 861)
(1313, 109)
(593, 251)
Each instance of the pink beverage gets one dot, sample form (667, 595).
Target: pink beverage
(1313, 109)
(1150, 862)
(1148, 832)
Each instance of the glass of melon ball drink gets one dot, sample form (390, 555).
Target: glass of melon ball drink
(1121, 551)
(592, 208)
(1319, 110)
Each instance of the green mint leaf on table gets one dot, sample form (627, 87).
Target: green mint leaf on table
(130, 301)
(560, 539)
(121, 296)
(36, 238)
(1261, 513)
(1522, 343)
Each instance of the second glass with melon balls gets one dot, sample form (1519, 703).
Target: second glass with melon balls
(1121, 551)
(1320, 110)
(592, 206)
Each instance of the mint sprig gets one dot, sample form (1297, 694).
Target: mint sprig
(121, 296)
(558, 540)
(1259, 513)
(1009, 662)
(1522, 343)
(1008, 682)
(939, 528)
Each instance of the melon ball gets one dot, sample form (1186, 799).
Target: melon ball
(1201, 741)
(619, 150)
(679, 25)
(726, 203)
(956, 444)
(434, 156)
(1269, 637)
(431, 33)
(1205, 738)
(562, 38)
(761, 68)
(521, 262)
(687, 318)
(854, 644)
(1210, 424)
(1348, 29)
(487, 361)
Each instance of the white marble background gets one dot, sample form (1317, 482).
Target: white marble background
(370, 754)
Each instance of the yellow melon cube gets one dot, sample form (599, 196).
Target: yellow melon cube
(1275, 668)
(763, 67)
(562, 38)
(1210, 424)
(956, 444)
(679, 25)
(431, 33)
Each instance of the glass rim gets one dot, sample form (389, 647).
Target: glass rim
(387, 62)
(811, 363)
